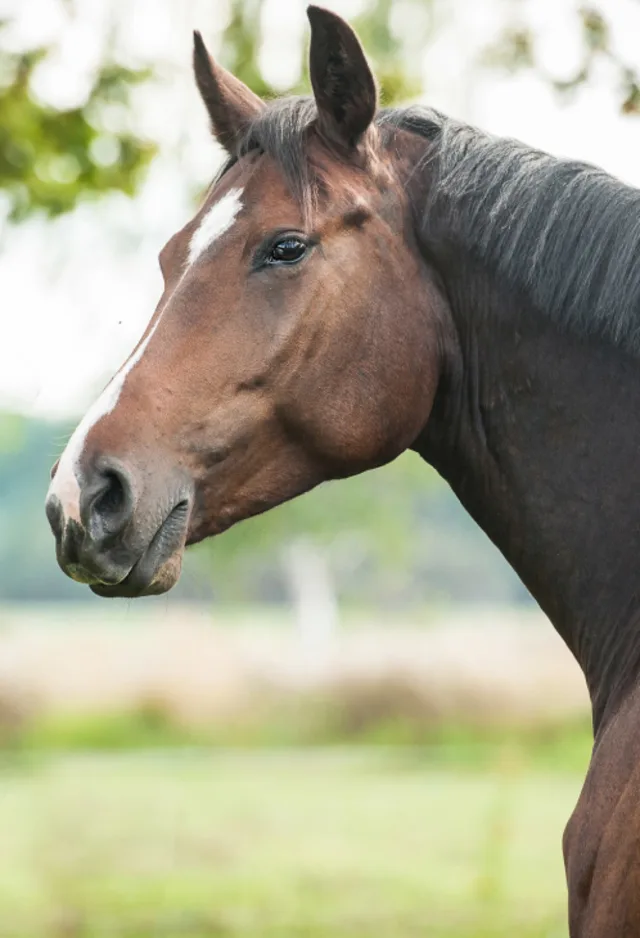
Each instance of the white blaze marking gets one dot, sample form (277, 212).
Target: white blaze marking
(65, 484)
(218, 219)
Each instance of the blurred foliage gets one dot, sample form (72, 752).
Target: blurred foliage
(51, 159)
(516, 49)
(375, 509)
(398, 72)
(241, 46)
(386, 713)
(12, 433)
(392, 537)
(395, 56)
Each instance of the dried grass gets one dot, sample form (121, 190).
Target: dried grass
(191, 669)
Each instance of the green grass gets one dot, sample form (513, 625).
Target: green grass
(267, 844)
(312, 721)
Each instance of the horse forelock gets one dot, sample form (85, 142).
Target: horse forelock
(313, 171)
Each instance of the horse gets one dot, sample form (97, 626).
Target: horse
(359, 281)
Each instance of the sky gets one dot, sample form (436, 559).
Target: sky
(77, 293)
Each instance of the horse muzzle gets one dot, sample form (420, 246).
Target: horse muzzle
(114, 535)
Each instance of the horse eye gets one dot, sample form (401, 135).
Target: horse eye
(288, 251)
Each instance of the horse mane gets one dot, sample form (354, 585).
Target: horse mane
(564, 233)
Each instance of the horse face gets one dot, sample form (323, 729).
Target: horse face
(290, 345)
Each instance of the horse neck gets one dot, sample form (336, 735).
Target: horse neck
(538, 434)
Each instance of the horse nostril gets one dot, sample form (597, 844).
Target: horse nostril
(111, 505)
(112, 499)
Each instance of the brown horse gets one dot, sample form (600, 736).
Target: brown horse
(360, 281)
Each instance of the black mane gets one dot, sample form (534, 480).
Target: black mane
(563, 232)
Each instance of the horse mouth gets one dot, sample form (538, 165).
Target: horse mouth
(159, 567)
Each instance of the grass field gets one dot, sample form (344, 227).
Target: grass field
(336, 843)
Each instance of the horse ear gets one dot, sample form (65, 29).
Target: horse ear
(230, 103)
(343, 85)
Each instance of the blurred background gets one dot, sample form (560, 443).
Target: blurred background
(349, 718)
